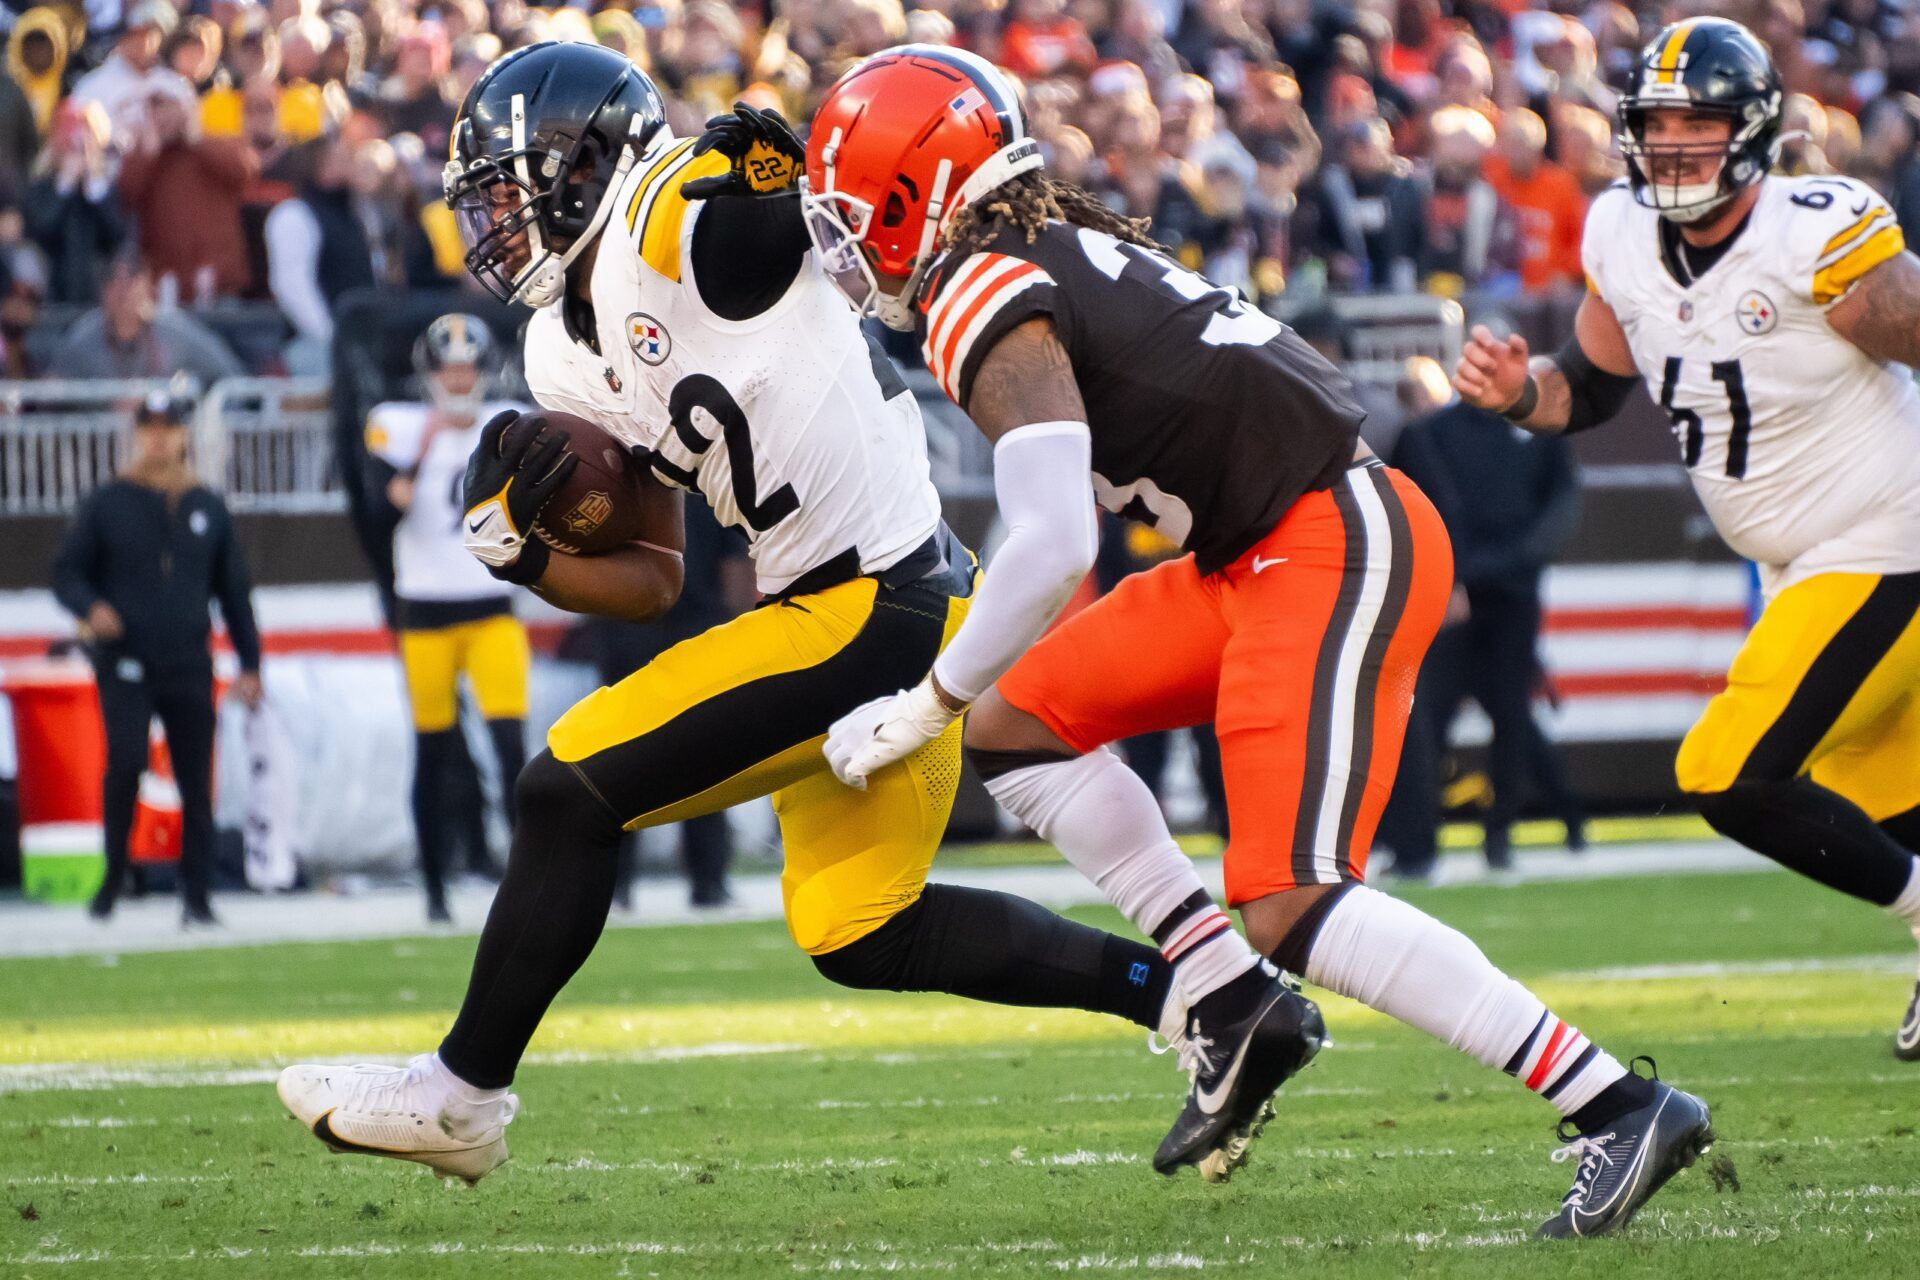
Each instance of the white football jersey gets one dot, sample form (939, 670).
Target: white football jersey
(430, 562)
(1804, 450)
(796, 429)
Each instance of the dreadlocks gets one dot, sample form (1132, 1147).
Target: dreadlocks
(1027, 202)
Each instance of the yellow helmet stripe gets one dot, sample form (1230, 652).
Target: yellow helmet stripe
(1669, 60)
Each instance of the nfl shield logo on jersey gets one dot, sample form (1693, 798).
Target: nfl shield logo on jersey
(1756, 313)
(648, 338)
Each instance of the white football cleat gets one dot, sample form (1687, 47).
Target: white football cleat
(415, 1112)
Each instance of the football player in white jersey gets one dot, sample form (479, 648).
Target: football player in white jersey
(1776, 320)
(700, 330)
(453, 617)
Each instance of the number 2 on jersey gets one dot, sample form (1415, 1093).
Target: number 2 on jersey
(1688, 426)
(699, 391)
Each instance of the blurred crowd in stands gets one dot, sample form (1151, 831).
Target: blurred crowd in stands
(161, 165)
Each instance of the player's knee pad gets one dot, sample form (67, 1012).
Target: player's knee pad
(1739, 812)
(549, 796)
(882, 960)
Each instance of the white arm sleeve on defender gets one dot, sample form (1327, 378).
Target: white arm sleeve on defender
(1042, 479)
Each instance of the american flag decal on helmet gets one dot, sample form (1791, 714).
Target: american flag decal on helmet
(970, 100)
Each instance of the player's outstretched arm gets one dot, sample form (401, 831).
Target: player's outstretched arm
(1881, 314)
(1579, 386)
(1026, 400)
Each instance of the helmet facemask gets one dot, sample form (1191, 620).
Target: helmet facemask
(838, 224)
(535, 208)
(456, 342)
(1655, 169)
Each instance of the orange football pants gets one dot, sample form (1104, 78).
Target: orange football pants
(1303, 654)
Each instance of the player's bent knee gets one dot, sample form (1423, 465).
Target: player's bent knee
(1736, 811)
(996, 725)
(1282, 926)
(880, 961)
(549, 795)
(991, 764)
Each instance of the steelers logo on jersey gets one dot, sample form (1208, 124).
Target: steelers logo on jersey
(648, 338)
(1755, 312)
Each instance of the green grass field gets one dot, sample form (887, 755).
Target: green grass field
(702, 1103)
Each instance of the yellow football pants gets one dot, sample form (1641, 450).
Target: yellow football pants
(1827, 684)
(741, 711)
(494, 654)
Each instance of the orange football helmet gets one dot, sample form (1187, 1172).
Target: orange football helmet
(902, 143)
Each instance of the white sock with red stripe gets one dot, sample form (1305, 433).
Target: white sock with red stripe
(1907, 905)
(1392, 957)
(1105, 821)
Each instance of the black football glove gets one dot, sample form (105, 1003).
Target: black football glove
(767, 158)
(513, 473)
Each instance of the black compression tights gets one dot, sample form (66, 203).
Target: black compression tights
(559, 885)
(1821, 834)
(546, 917)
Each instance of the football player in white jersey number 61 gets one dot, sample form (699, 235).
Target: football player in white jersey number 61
(1774, 320)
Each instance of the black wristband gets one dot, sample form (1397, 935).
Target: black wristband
(529, 567)
(1520, 410)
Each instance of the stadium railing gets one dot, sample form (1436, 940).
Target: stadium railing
(267, 444)
(263, 442)
(62, 437)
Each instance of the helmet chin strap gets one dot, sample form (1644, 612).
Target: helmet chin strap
(453, 405)
(1692, 202)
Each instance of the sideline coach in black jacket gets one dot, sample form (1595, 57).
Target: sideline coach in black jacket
(145, 556)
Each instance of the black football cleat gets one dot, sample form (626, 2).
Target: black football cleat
(1236, 1058)
(1906, 1041)
(1623, 1164)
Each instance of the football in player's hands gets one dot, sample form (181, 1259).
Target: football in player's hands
(605, 503)
(767, 157)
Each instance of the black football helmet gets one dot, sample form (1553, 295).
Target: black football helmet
(544, 135)
(1703, 65)
(456, 339)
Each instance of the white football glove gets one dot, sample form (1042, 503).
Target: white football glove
(885, 731)
(513, 472)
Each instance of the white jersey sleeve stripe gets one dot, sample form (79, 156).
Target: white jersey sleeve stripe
(1875, 223)
(978, 278)
(1016, 284)
(969, 273)
(942, 342)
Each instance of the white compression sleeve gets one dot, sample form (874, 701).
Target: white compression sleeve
(1042, 479)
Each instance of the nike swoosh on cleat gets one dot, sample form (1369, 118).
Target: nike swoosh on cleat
(1636, 1171)
(1211, 1100)
(475, 528)
(324, 1131)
